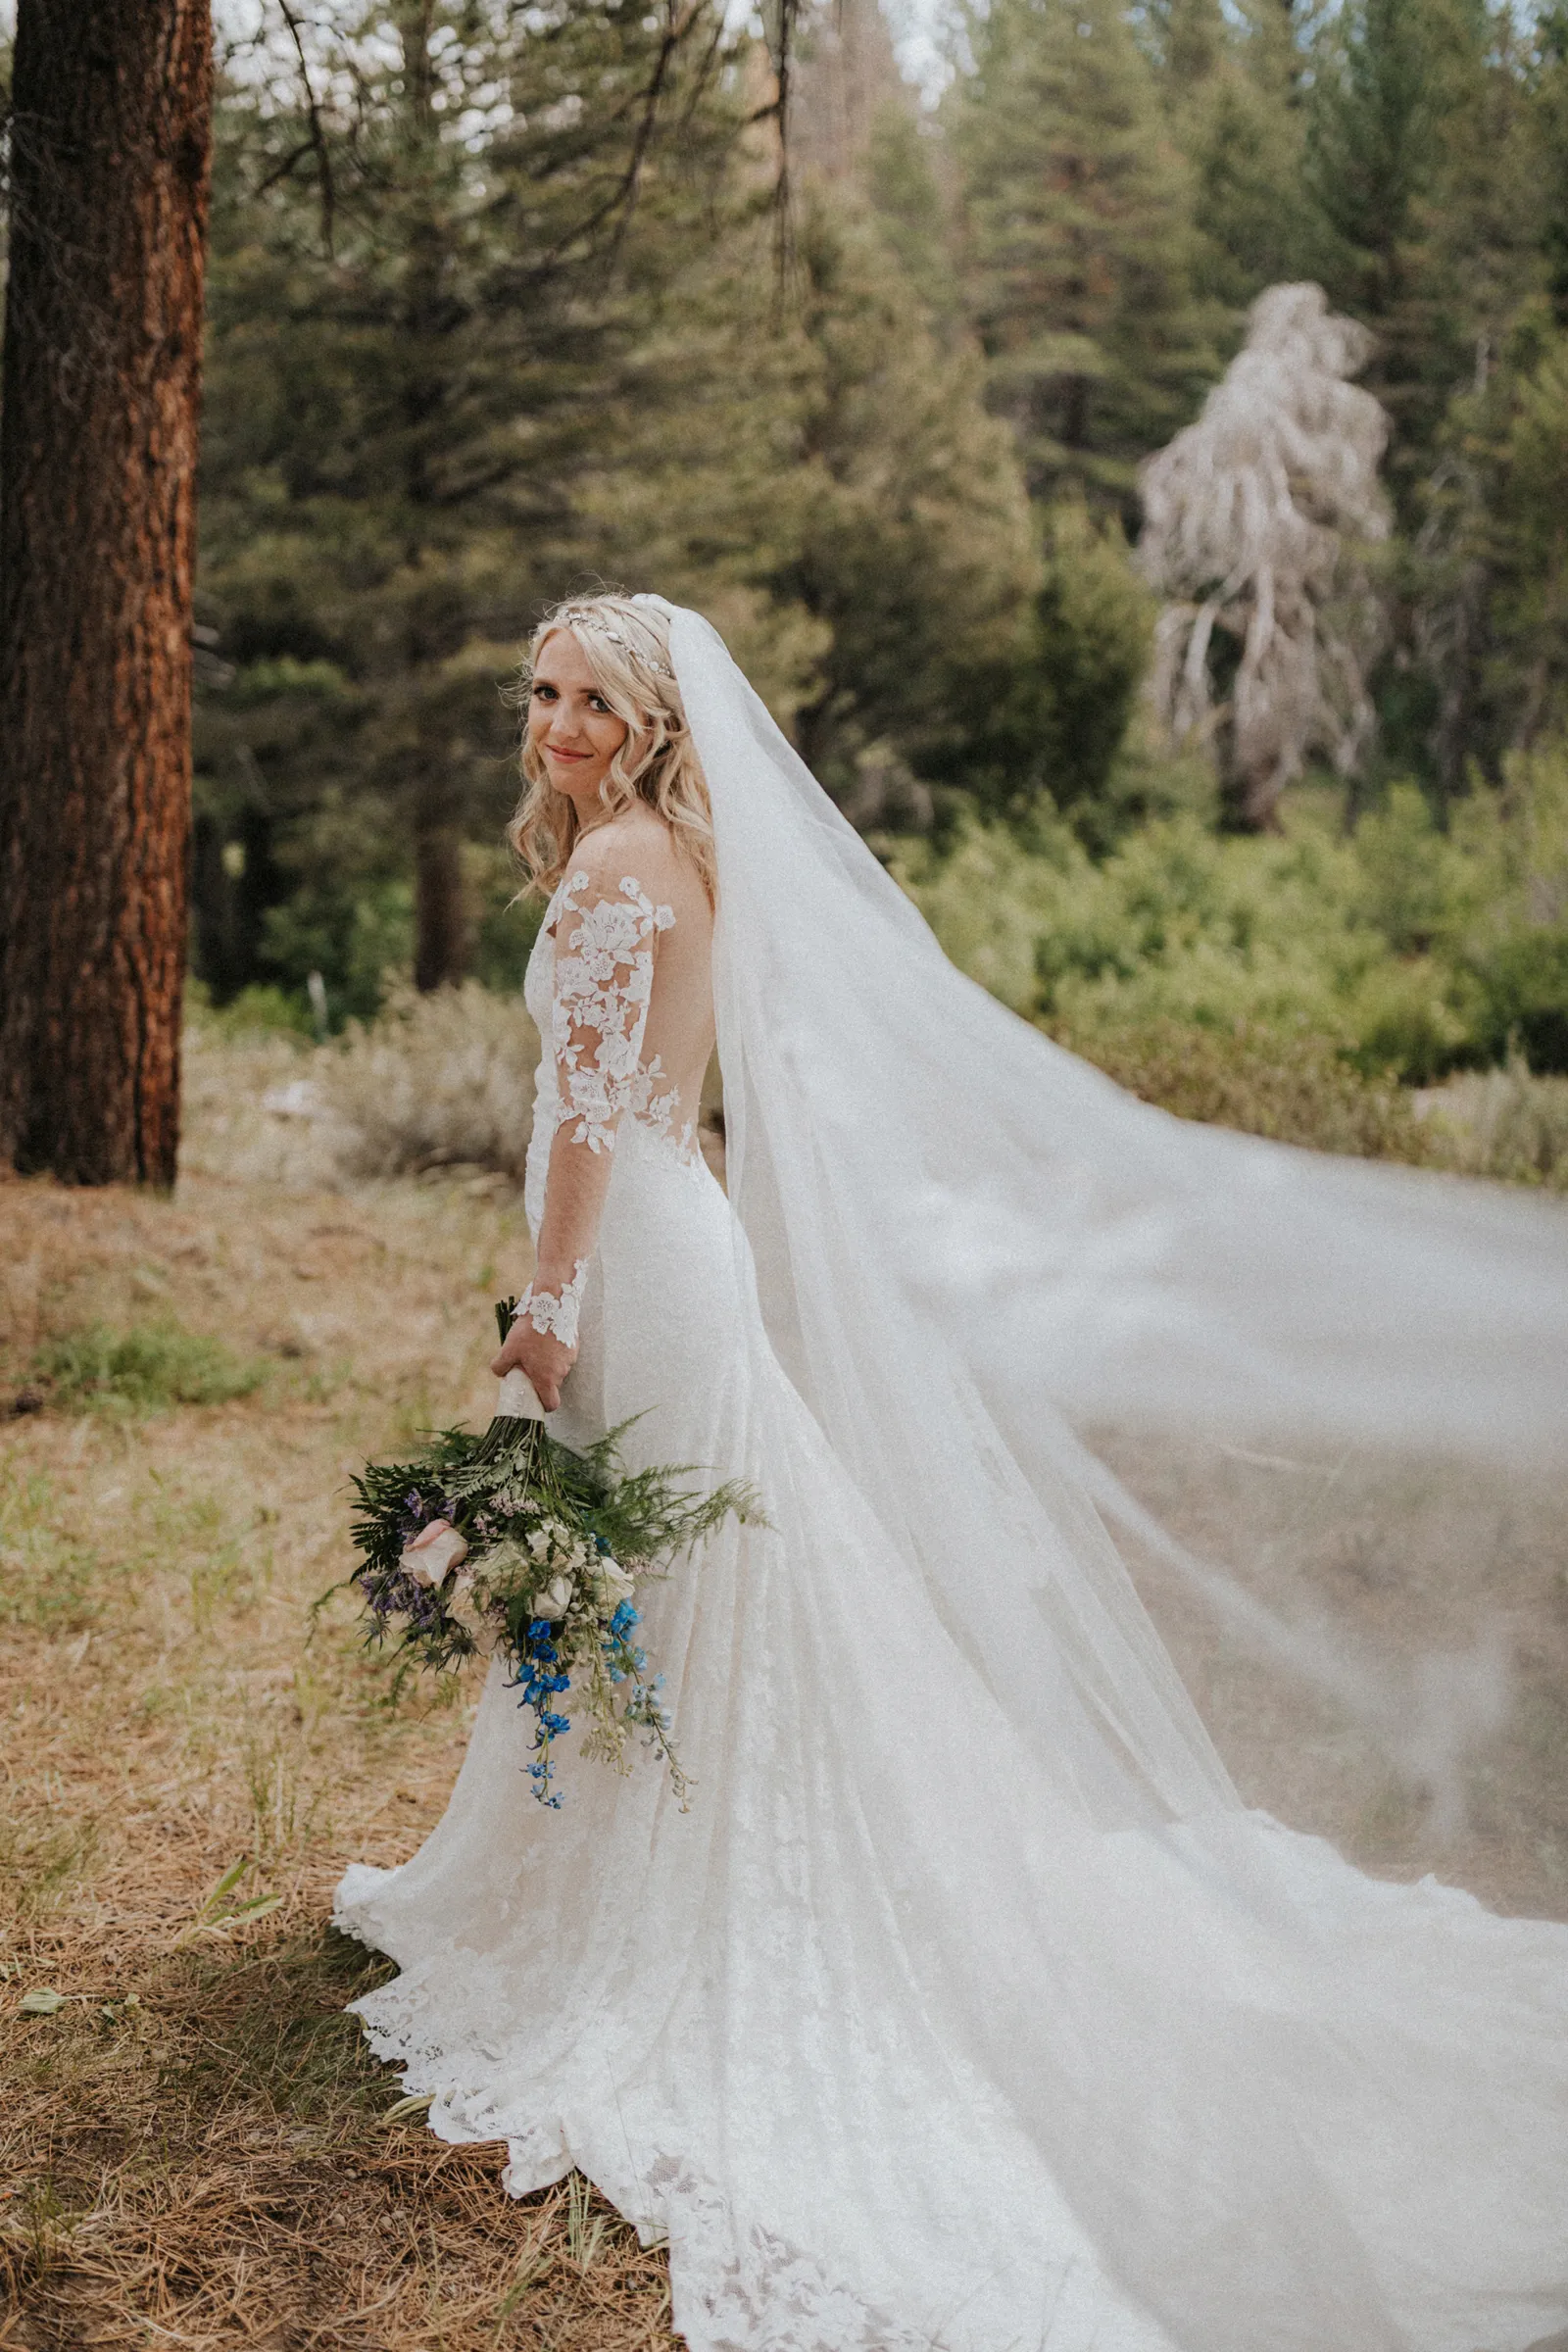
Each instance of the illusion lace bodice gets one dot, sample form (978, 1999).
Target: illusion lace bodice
(619, 988)
(967, 2008)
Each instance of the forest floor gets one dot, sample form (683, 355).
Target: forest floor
(196, 2145)
(193, 2148)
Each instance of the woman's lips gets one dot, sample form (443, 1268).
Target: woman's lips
(554, 751)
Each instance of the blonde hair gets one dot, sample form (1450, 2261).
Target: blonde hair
(626, 645)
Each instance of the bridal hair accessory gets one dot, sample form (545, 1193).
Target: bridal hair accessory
(511, 1544)
(585, 617)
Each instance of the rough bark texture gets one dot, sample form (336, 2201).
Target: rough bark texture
(98, 440)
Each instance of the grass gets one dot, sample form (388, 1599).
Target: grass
(143, 1370)
(194, 2142)
(196, 2149)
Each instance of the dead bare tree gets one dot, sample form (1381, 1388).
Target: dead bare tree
(109, 130)
(1257, 523)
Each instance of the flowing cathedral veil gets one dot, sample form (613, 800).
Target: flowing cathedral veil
(974, 2007)
(970, 1247)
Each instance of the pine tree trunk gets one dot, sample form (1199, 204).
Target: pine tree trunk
(441, 928)
(111, 104)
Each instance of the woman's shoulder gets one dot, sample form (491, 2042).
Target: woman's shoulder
(633, 847)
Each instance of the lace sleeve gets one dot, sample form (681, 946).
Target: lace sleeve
(603, 980)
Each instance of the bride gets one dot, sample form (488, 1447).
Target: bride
(966, 2007)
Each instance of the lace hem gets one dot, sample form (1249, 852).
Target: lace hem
(736, 2285)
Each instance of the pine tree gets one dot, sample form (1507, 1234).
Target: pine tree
(825, 481)
(102, 375)
(433, 254)
(1228, 83)
(1418, 159)
(1490, 626)
(1079, 244)
(1548, 147)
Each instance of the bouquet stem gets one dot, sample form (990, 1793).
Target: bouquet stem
(522, 1430)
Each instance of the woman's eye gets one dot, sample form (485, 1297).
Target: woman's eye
(544, 694)
(597, 701)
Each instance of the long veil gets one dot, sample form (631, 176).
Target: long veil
(970, 1249)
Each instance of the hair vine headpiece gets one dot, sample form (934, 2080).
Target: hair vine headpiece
(587, 617)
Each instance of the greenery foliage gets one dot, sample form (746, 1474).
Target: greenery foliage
(1403, 948)
(145, 1369)
(502, 303)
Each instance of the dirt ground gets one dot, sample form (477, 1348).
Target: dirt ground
(196, 2148)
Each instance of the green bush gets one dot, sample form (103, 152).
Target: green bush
(1297, 1089)
(1522, 987)
(1502, 1123)
(1403, 949)
(254, 1013)
(143, 1370)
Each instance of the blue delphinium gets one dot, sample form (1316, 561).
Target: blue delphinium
(540, 1680)
(514, 1544)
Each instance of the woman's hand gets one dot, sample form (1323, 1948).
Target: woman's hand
(539, 1355)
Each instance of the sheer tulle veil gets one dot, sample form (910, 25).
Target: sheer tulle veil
(969, 2005)
(970, 1249)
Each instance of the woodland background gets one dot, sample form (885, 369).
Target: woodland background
(504, 304)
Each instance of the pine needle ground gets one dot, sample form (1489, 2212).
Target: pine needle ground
(193, 2135)
(195, 2144)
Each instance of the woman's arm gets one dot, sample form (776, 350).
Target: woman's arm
(604, 942)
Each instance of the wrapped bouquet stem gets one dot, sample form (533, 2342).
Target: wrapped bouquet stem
(512, 1542)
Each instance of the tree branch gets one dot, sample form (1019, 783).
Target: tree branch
(317, 138)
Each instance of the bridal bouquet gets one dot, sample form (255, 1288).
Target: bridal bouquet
(511, 1543)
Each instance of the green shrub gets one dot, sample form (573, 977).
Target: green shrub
(143, 1370)
(1401, 948)
(1502, 1123)
(1298, 1089)
(254, 1013)
(1521, 999)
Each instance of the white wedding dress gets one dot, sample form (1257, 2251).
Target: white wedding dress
(965, 2008)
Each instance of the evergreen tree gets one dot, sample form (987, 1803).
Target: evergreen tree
(109, 139)
(433, 253)
(1491, 561)
(1229, 88)
(1417, 160)
(1548, 147)
(1079, 244)
(838, 499)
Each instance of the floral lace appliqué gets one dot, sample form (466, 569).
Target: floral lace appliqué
(602, 986)
(548, 1313)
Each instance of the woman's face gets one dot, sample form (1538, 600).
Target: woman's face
(570, 725)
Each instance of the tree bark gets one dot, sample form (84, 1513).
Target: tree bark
(441, 926)
(111, 126)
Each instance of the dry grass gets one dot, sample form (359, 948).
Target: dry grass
(438, 1082)
(194, 2145)
(1506, 1123)
(194, 2150)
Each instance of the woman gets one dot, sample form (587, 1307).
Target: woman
(966, 2006)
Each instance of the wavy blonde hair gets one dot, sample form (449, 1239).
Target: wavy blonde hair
(627, 648)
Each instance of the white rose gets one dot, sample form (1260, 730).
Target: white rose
(613, 1583)
(555, 1598)
(434, 1552)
